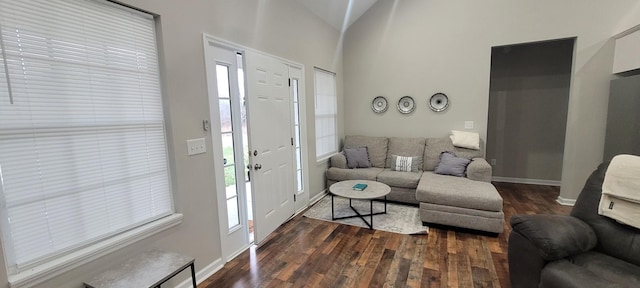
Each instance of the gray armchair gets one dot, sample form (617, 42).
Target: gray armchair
(583, 249)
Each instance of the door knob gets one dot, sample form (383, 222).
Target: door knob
(257, 167)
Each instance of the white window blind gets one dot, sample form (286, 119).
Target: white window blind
(326, 113)
(83, 152)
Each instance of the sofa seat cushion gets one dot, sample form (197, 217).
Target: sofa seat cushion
(399, 179)
(339, 174)
(458, 192)
(590, 269)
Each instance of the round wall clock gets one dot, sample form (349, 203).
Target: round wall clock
(439, 102)
(406, 105)
(379, 104)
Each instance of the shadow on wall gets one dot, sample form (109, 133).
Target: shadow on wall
(589, 110)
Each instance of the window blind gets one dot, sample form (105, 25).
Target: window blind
(83, 152)
(326, 113)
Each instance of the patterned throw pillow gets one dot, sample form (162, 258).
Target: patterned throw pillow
(357, 157)
(452, 165)
(405, 163)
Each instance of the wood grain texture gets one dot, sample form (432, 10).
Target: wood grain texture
(306, 252)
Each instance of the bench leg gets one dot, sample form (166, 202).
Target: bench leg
(193, 275)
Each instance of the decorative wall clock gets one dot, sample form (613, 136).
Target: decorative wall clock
(406, 105)
(439, 102)
(379, 104)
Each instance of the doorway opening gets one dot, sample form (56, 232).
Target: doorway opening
(528, 105)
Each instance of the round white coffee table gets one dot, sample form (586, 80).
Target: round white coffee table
(373, 191)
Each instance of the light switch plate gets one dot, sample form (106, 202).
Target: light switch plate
(468, 124)
(196, 146)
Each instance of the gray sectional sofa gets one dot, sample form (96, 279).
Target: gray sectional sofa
(468, 202)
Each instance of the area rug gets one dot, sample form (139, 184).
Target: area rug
(400, 218)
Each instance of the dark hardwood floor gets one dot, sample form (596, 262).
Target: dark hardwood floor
(312, 253)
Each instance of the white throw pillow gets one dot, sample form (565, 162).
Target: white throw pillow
(469, 140)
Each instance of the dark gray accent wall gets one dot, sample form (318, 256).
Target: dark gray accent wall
(528, 103)
(623, 118)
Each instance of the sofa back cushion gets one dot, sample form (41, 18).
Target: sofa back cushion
(408, 147)
(614, 239)
(435, 146)
(377, 147)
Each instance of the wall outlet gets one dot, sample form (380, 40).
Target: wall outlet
(493, 162)
(468, 124)
(196, 146)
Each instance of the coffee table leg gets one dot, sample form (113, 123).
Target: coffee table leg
(371, 212)
(332, 216)
(385, 204)
(358, 214)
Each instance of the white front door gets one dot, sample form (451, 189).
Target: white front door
(226, 131)
(270, 142)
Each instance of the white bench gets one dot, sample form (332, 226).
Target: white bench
(149, 269)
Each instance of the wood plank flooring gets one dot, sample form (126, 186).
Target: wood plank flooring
(312, 253)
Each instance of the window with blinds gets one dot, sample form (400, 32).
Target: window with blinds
(326, 113)
(83, 153)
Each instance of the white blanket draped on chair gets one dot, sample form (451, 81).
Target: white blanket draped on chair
(621, 190)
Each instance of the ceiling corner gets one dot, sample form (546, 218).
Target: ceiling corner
(340, 14)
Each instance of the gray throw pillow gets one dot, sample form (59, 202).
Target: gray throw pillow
(357, 157)
(405, 163)
(452, 165)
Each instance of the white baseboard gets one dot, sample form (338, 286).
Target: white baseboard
(203, 273)
(317, 197)
(565, 201)
(526, 181)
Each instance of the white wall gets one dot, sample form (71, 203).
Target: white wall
(279, 27)
(420, 47)
(629, 21)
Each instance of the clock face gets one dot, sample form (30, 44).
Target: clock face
(406, 105)
(379, 104)
(439, 102)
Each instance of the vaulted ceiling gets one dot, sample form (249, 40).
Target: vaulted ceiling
(338, 13)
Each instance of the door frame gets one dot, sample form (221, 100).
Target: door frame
(303, 197)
